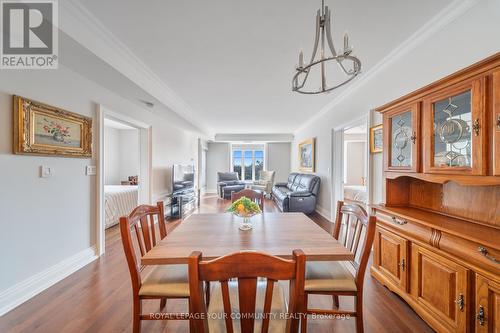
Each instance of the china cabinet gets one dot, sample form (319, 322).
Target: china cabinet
(437, 243)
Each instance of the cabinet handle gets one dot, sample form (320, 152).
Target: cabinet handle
(414, 137)
(498, 122)
(460, 302)
(480, 316)
(399, 221)
(476, 127)
(484, 252)
(402, 264)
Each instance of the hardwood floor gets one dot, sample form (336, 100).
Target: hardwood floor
(97, 298)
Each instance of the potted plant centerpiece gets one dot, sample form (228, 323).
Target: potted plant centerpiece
(244, 208)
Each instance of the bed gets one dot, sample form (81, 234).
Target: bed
(355, 193)
(119, 200)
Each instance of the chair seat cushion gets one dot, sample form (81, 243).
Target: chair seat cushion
(166, 280)
(328, 276)
(277, 322)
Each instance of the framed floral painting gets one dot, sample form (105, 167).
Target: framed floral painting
(307, 155)
(41, 129)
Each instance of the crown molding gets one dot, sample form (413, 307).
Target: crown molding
(81, 25)
(435, 24)
(254, 137)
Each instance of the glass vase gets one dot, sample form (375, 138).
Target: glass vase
(246, 223)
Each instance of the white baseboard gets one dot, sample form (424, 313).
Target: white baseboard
(210, 191)
(323, 212)
(24, 290)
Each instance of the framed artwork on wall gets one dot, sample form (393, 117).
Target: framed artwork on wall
(376, 139)
(307, 155)
(41, 129)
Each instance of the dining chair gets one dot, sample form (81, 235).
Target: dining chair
(162, 282)
(355, 230)
(257, 197)
(260, 302)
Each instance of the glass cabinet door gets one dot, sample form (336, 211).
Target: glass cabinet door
(453, 130)
(402, 126)
(401, 134)
(496, 122)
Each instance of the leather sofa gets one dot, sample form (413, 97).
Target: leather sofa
(227, 179)
(298, 194)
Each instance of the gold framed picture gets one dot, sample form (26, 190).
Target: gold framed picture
(307, 155)
(376, 139)
(41, 129)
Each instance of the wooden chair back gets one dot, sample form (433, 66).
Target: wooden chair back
(257, 197)
(355, 230)
(247, 267)
(142, 221)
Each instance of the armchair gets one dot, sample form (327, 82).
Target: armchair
(265, 183)
(227, 179)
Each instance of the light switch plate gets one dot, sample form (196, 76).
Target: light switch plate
(45, 171)
(90, 170)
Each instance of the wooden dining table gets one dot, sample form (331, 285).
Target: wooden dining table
(216, 235)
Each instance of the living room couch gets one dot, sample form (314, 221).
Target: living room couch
(298, 194)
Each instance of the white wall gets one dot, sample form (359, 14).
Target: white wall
(355, 153)
(121, 154)
(47, 220)
(111, 156)
(129, 153)
(218, 156)
(468, 39)
(278, 159)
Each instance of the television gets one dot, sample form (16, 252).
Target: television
(182, 178)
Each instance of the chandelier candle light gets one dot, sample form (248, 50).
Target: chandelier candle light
(349, 64)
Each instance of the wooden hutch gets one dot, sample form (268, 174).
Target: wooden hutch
(437, 243)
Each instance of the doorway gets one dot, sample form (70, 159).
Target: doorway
(350, 163)
(124, 169)
(355, 153)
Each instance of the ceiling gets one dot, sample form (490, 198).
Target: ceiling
(232, 61)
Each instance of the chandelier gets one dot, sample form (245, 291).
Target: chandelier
(349, 65)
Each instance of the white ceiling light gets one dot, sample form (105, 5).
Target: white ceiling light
(350, 65)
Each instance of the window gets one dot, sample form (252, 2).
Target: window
(248, 161)
(237, 162)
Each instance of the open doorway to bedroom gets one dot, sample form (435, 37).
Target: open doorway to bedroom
(350, 163)
(355, 166)
(121, 170)
(124, 169)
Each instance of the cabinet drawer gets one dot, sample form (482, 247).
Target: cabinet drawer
(403, 227)
(483, 256)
